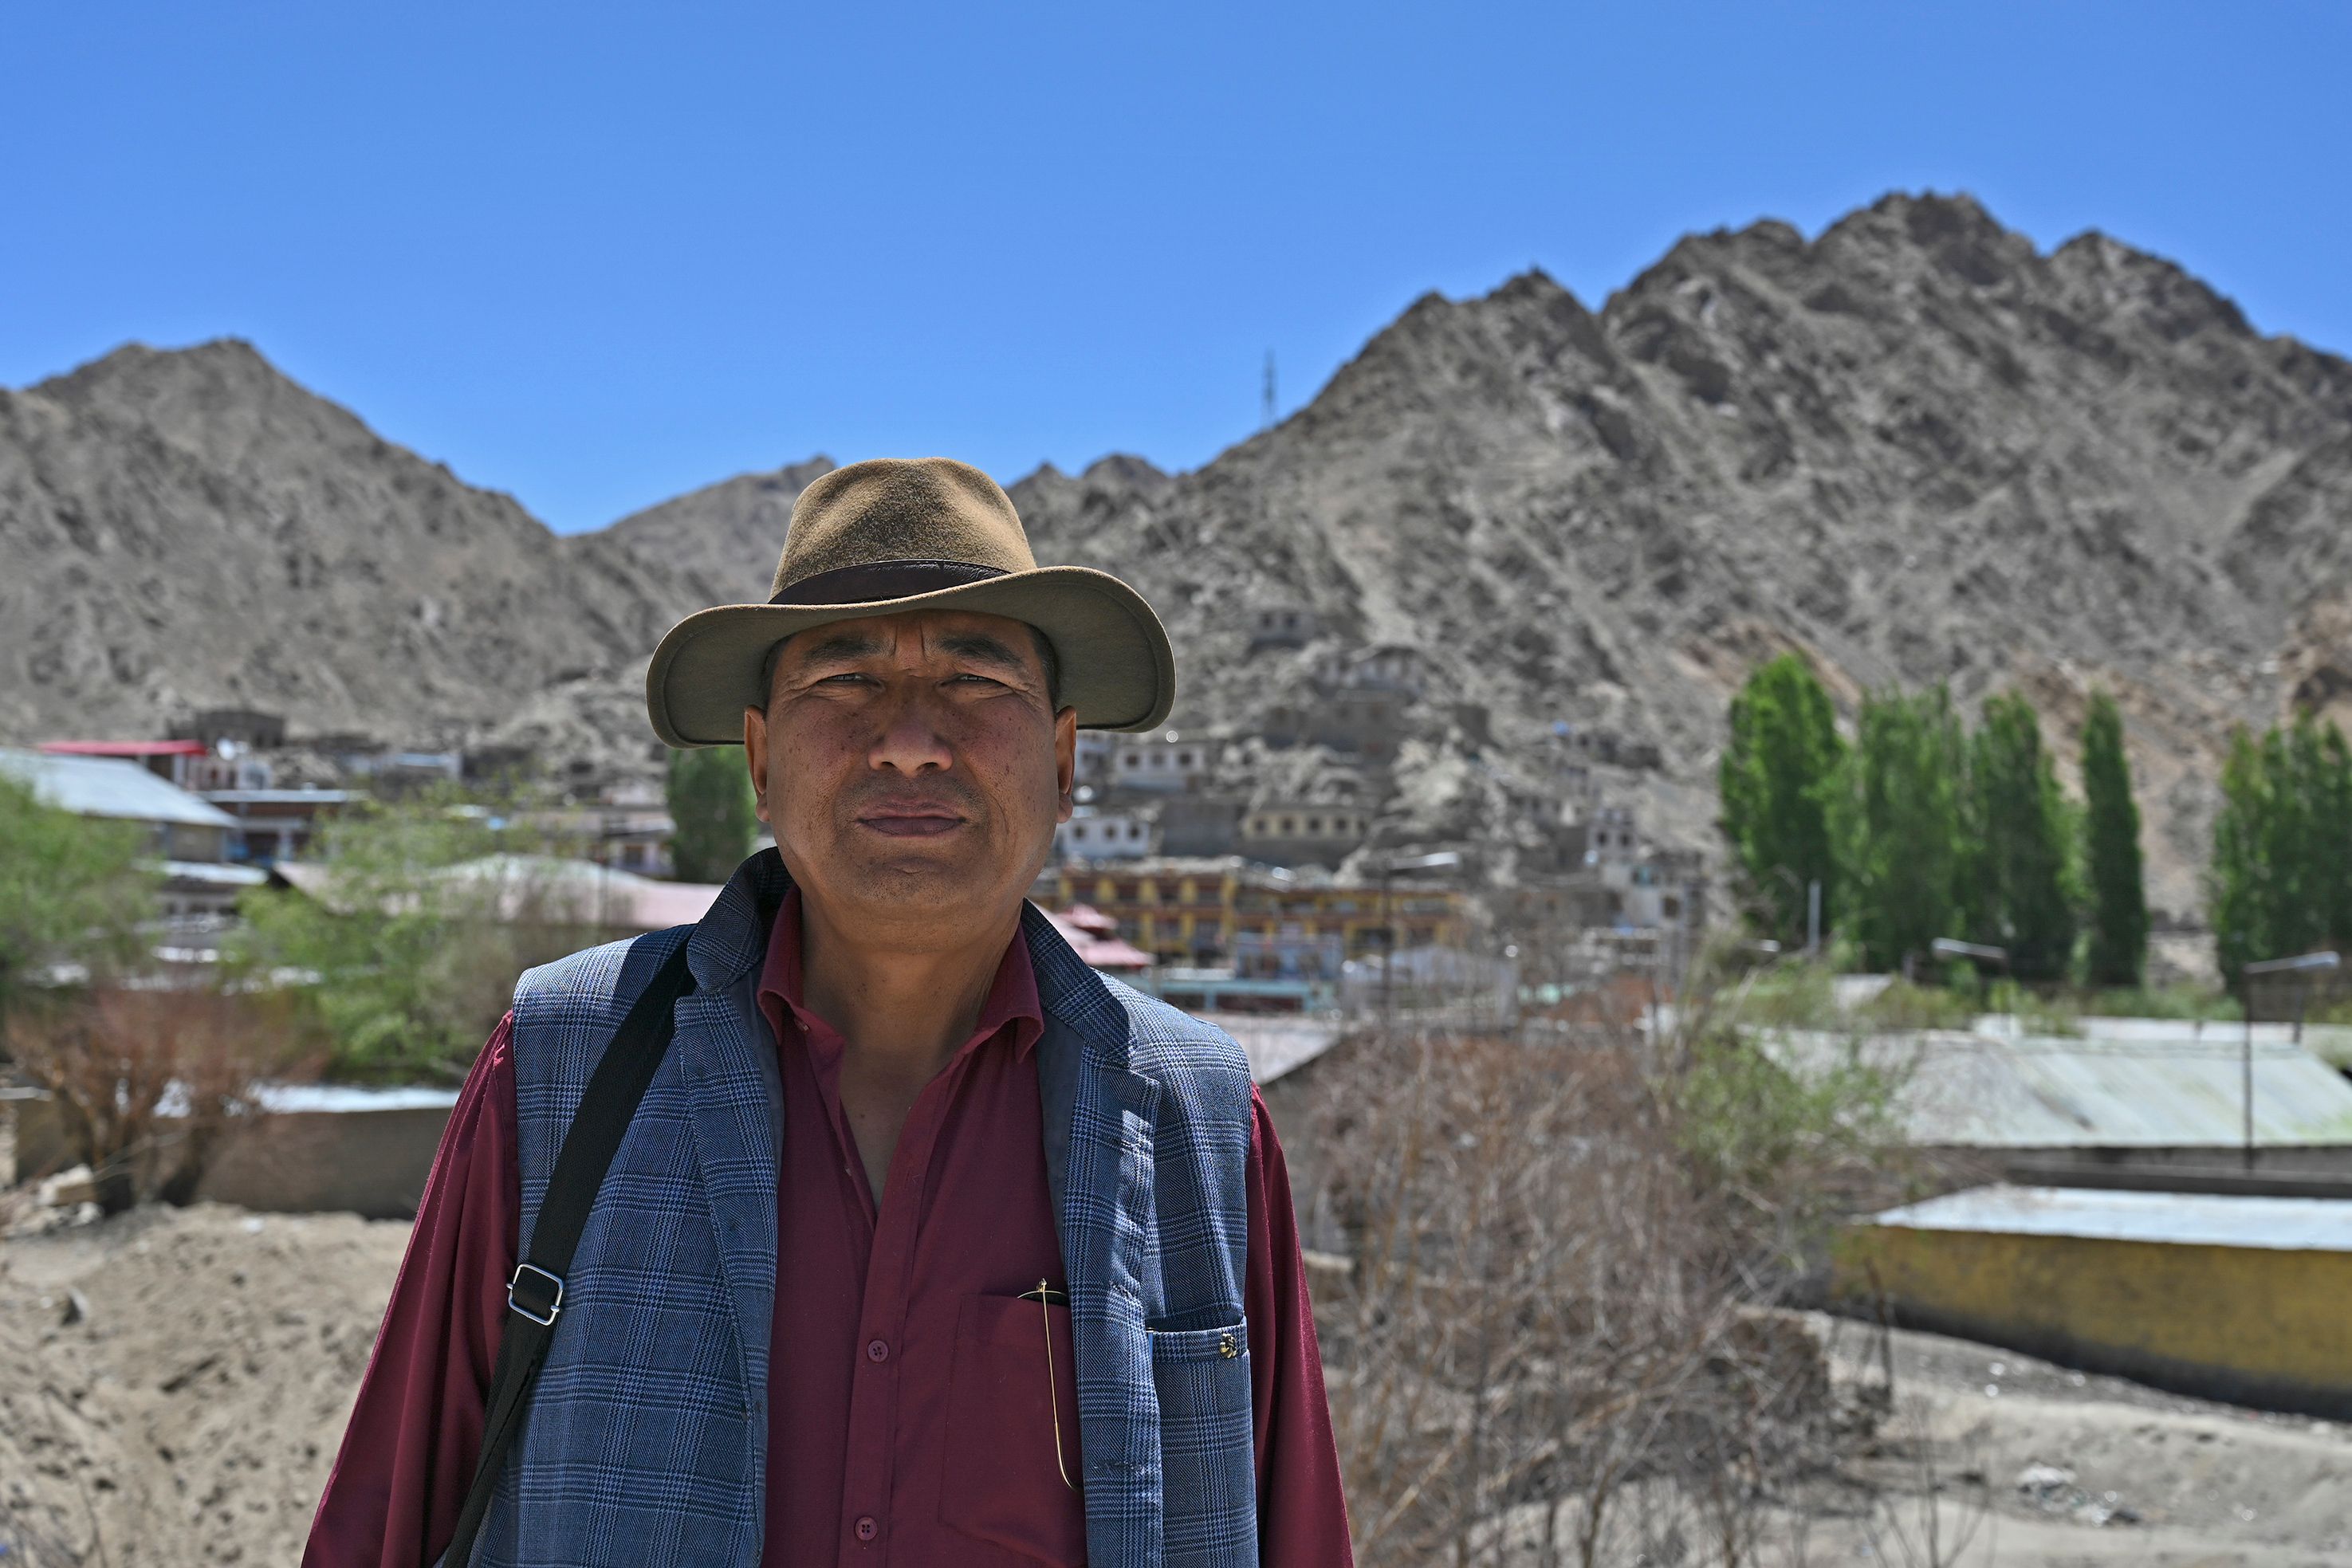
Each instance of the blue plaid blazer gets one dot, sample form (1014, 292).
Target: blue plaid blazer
(645, 1438)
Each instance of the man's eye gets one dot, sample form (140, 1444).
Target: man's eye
(983, 680)
(847, 676)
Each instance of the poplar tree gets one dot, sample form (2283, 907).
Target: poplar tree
(712, 811)
(2018, 894)
(1775, 777)
(2118, 936)
(2280, 878)
(1897, 823)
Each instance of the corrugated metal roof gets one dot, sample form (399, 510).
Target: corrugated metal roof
(217, 873)
(1277, 1045)
(103, 786)
(2290, 1224)
(547, 887)
(2034, 1093)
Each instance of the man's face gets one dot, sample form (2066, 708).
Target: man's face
(913, 769)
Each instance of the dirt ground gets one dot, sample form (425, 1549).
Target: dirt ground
(191, 1413)
(188, 1412)
(2001, 1459)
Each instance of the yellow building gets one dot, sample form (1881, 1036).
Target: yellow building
(2227, 1297)
(1195, 910)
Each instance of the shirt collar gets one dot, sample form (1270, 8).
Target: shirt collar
(1011, 1005)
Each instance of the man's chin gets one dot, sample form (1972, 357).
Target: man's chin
(904, 872)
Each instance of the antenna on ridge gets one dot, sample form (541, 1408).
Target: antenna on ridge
(1266, 413)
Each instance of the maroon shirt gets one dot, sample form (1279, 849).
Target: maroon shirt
(909, 1420)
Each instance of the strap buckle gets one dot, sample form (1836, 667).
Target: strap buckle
(523, 1296)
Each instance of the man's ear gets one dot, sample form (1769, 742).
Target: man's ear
(755, 754)
(1065, 761)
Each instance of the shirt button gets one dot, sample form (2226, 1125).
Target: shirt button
(876, 1351)
(867, 1529)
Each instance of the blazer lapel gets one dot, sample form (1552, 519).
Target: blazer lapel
(1098, 1121)
(732, 1114)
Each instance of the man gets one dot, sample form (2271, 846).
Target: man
(924, 1243)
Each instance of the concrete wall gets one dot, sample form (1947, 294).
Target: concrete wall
(2255, 1325)
(369, 1163)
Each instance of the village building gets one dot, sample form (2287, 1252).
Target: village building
(1611, 838)
(1386, 666)
(1094, 757)
(275, 825)
(1200, 823)
(249, 729)
(173, 761)
(1298, 834)
(1365, 721)
(189, 839)
(1164, 763)
(1194, 911)
(629, 833)
(1093, 833)
(1588, 744)
(1283, 626)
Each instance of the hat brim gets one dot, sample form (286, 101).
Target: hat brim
(1118, 669)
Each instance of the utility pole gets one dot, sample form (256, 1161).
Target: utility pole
(1390, 866)
(1266, 409)
(2299, 966)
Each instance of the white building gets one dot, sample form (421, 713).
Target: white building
(1092, 834)
(1163, 763)
(1093, 759)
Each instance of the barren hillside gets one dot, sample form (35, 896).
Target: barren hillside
(1915, 446)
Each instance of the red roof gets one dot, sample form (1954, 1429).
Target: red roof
(1098, 952)
(124, 747)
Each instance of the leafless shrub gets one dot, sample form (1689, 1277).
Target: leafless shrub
(149, 1082)
(1561, 1342)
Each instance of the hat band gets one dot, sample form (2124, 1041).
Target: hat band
(880, 580)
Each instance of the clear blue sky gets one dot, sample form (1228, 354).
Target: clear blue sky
(597, 255)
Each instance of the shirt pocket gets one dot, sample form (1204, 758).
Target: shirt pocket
(1000, 1483)
(1207, 1462)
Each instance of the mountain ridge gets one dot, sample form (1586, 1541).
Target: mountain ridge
(1915, 446)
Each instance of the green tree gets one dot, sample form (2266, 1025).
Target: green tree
(404, 936)
(2278, 883)
(1777, 775)
(1897, 825)
(2331, 849)
(2118, 899)
(74, 891)
(2017, 879)
(710, 802)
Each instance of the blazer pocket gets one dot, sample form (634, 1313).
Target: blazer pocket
(1001, 1482)
(1207, 1460)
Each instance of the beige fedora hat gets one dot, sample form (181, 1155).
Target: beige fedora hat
(893, 535)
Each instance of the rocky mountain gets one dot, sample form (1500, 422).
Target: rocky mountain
(1916, 447)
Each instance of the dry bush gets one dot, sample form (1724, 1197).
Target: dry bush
(150, 1082)
(1558, 1345)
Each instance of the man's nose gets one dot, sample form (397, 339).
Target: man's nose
(909, 740)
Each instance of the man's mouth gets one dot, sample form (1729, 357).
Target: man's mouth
(910, 822)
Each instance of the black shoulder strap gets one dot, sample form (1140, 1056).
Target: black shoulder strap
(535, 1294)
